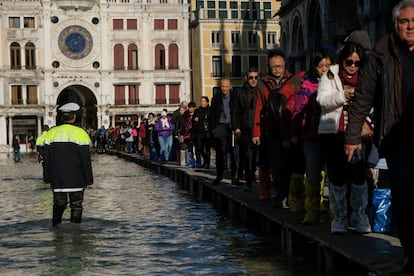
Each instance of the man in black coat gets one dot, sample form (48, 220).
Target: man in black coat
(243, 118)
(220, 125)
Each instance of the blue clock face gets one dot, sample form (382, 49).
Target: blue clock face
(75, 42)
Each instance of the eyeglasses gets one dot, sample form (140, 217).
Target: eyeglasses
(253, 77)
(278, 66)
(349, 62)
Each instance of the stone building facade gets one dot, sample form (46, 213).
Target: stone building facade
(118, 59)
(307, 25)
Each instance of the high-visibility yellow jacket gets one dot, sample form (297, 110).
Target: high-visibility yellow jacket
(67, 157)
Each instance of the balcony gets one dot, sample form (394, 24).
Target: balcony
(82, 5)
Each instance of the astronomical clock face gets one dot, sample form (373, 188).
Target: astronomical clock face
(75, 42)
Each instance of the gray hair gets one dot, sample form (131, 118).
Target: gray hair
(397, 8)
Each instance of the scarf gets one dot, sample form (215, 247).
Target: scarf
(349, 80)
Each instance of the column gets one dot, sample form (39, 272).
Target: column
(10, 130)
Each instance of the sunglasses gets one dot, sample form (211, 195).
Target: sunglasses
(253, 77)
(349, 62)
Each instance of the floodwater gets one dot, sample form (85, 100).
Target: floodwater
(134, 223)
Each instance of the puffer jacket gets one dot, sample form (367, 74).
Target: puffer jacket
(331, 98)
(379, 85)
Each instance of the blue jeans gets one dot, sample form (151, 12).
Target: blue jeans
(16, 156)
(165, 146)
(129, 146)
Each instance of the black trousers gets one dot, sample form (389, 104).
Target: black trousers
(60, 199)
(222, 137)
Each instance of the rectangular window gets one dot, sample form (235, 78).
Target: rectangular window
(119, 94)
(245, 10)
(271, 40)
(252, 40)
(255, 10)
(133, 94)
(235, 39)
(29, 22)
(132, 24)
(17, 95)
(200, 4)
(14, 22)
(158, 24)
(160, 97)
(253, 61)
(236, 66)
(30, 57)
(211, 9)
(234, 10)
(267, 10)
(215, 39)
(172, 24)
(174, 94)
(31, 94)
(217, 70)
(223, 10)
(118, 24)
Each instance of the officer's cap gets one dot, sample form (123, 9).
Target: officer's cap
(69, 107)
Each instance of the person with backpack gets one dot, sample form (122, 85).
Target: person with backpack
(271, 124)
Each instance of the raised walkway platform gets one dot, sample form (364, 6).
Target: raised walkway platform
(351, 254)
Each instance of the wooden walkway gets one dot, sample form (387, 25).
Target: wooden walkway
(351, 254)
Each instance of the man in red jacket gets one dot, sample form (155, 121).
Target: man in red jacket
(271, 127)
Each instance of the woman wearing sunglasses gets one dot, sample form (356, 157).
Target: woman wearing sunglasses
(335, 93)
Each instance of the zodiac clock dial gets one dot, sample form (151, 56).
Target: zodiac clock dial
(75, 42)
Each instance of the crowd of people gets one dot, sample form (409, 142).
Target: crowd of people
(337, 122)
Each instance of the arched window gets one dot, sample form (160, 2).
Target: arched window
(132, 57)
(15, 56)
(173, 56)
(119, 57)
(30, 53)
(159, 57)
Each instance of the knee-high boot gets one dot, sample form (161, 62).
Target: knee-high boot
(265, 185)
(296, 190)
(322, 205)
(312, 204)
(338, 207)
(76, 215)
(57, 215)
(359, 201)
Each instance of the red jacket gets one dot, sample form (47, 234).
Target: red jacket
(288, 85)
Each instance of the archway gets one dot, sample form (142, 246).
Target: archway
(87, 101)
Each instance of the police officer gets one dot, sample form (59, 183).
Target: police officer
(40, 148)
(68, 167)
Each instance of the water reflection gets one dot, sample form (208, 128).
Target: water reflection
(135, 223)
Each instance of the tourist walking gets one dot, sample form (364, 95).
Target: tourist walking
(164, 129)
(220, 125)
(305, 122)
(386, 83)
(335, 95)
(16, 148)
(201, 133)
(243, 118)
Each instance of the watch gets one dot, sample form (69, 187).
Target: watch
(75, 42)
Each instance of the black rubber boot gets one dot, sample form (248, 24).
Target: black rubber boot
(57, 215)
(76, 215)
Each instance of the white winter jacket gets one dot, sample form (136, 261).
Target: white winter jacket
(331, 98)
